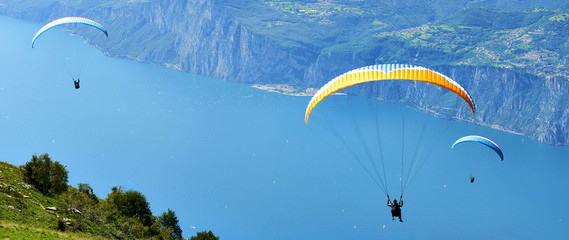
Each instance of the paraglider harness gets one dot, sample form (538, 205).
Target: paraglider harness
(395, 207)
(76, 83)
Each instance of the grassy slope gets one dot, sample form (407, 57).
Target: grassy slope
(14, 231)
(26, 211)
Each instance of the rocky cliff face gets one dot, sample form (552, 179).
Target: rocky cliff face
(201, 37)
(517, 102)
(198, 36)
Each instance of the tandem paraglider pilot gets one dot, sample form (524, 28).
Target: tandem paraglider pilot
(76, 82)
(395, 209)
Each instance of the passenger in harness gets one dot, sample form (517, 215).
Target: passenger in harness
(76, 82)
(395, 209)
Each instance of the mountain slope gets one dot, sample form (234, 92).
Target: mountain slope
(484, 45)
(25, 213)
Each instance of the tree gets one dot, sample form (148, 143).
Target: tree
(85, 188)
(204, 236)
(169, 220)
(48, 177)
(131, 204)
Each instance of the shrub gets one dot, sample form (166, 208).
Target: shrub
(48, 177)
(131, 204)
(204, 236)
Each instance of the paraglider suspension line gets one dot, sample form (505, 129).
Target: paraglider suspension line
(364, 144)
(380, 148)
(402, 135)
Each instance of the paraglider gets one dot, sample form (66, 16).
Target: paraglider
(76, 82)
(387, 72)
(378, 73)
(70, 20)
(482, 140)
(66, 20)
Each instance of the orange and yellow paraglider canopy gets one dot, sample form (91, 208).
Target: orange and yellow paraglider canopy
(387, 72)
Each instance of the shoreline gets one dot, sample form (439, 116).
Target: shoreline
(307, 92)
(286, 89)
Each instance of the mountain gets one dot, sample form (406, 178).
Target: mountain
(511, 55)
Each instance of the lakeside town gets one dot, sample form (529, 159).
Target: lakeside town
(286, 89)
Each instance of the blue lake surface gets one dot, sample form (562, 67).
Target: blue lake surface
(239, 161)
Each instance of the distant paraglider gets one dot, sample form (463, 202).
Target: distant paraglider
(484, 141)
(76, 82)
(66, 20)
(70, 20)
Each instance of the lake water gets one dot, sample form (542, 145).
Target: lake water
(240, 161)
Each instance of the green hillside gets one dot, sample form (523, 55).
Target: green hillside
(534, 41)
(14, 231)
(329, 22)
(21, 203)
(26, 213)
